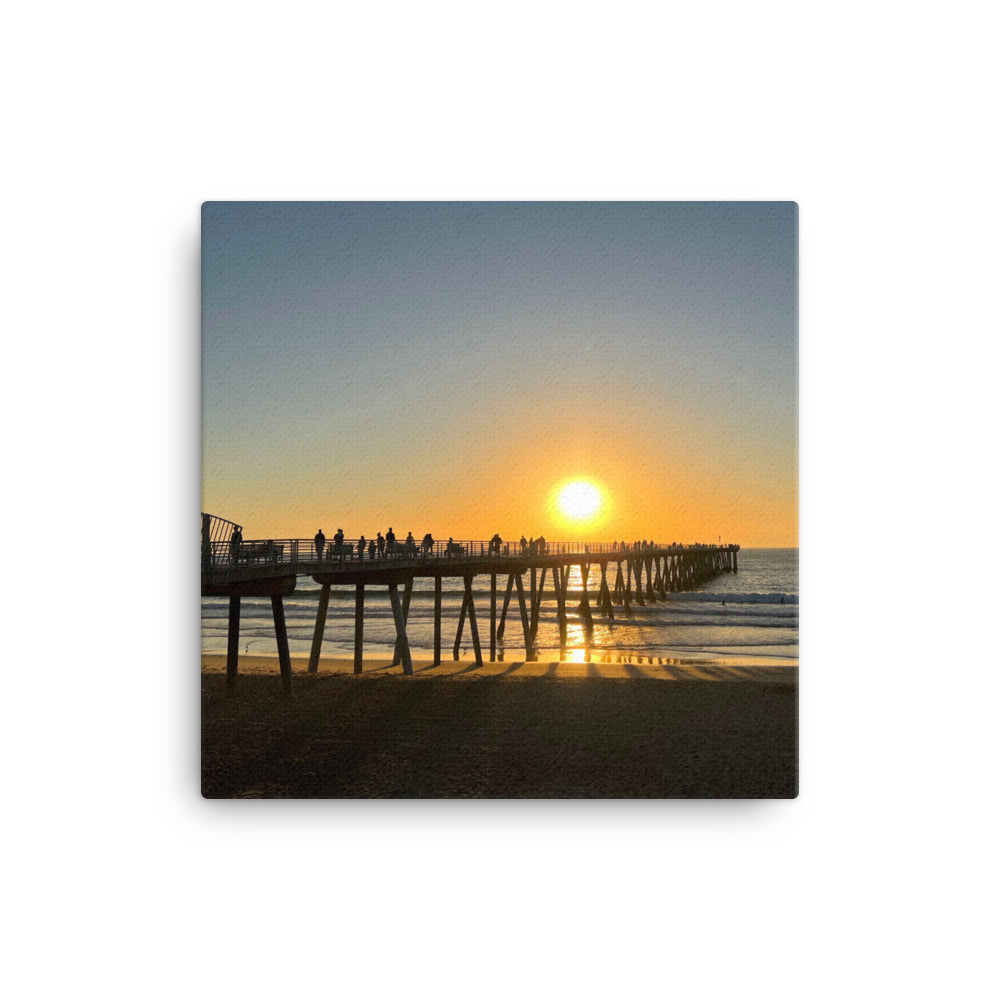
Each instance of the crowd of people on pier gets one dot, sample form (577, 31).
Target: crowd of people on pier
(387, 546)
(644, 545)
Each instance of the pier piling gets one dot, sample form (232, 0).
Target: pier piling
(233, 642)
(407, 594)
(359, 625)
(529, 652)
(324, 603)
(493, 617)
(506, 602)
(402, 643)
(437, 619)
(281, 634)
(473, 627)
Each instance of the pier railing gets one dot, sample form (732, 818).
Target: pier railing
(354, 551)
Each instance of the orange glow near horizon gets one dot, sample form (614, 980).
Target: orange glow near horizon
(640, 499)
(703, 486)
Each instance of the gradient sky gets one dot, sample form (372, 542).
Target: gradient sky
(442, 367)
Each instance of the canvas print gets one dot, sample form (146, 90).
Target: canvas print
(499, 500)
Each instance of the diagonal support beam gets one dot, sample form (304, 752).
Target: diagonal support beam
(407, 594)
(473, 627)
(529, 652)
(461, 625)
(604, 595)
(324, 604)
(401, 640)
(281, 634)
(536, 606)
(506, 601)
(557, 584)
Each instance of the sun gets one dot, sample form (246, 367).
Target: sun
(579, 500)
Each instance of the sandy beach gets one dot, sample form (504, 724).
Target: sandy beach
(619, 667)
(552, 729)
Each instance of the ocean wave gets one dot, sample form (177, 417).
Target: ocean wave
(709, 646)
(734, 598)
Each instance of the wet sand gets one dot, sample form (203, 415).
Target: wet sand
(506, 730)
(635, 666)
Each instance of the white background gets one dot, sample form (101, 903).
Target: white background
(879, 120)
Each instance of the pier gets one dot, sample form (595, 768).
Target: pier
(614, 574)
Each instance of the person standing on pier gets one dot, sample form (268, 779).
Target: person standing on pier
(361, 547)
(390, 541)
(320, 542)
(235, 541)
(371, 548)
(524, 545)
(381, 545)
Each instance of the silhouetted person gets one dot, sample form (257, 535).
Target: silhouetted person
(338, 539)
(381, 545)
(390, 542)
(524, 545)
(361, 547)
(541, 545)
(320, 541)
(427, 544)
(371, 548)
(235, 541)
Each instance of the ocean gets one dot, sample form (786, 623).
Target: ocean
(747, 618)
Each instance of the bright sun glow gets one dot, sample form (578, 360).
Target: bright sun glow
(579, 500)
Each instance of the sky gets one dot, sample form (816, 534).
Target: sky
(448, 367)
